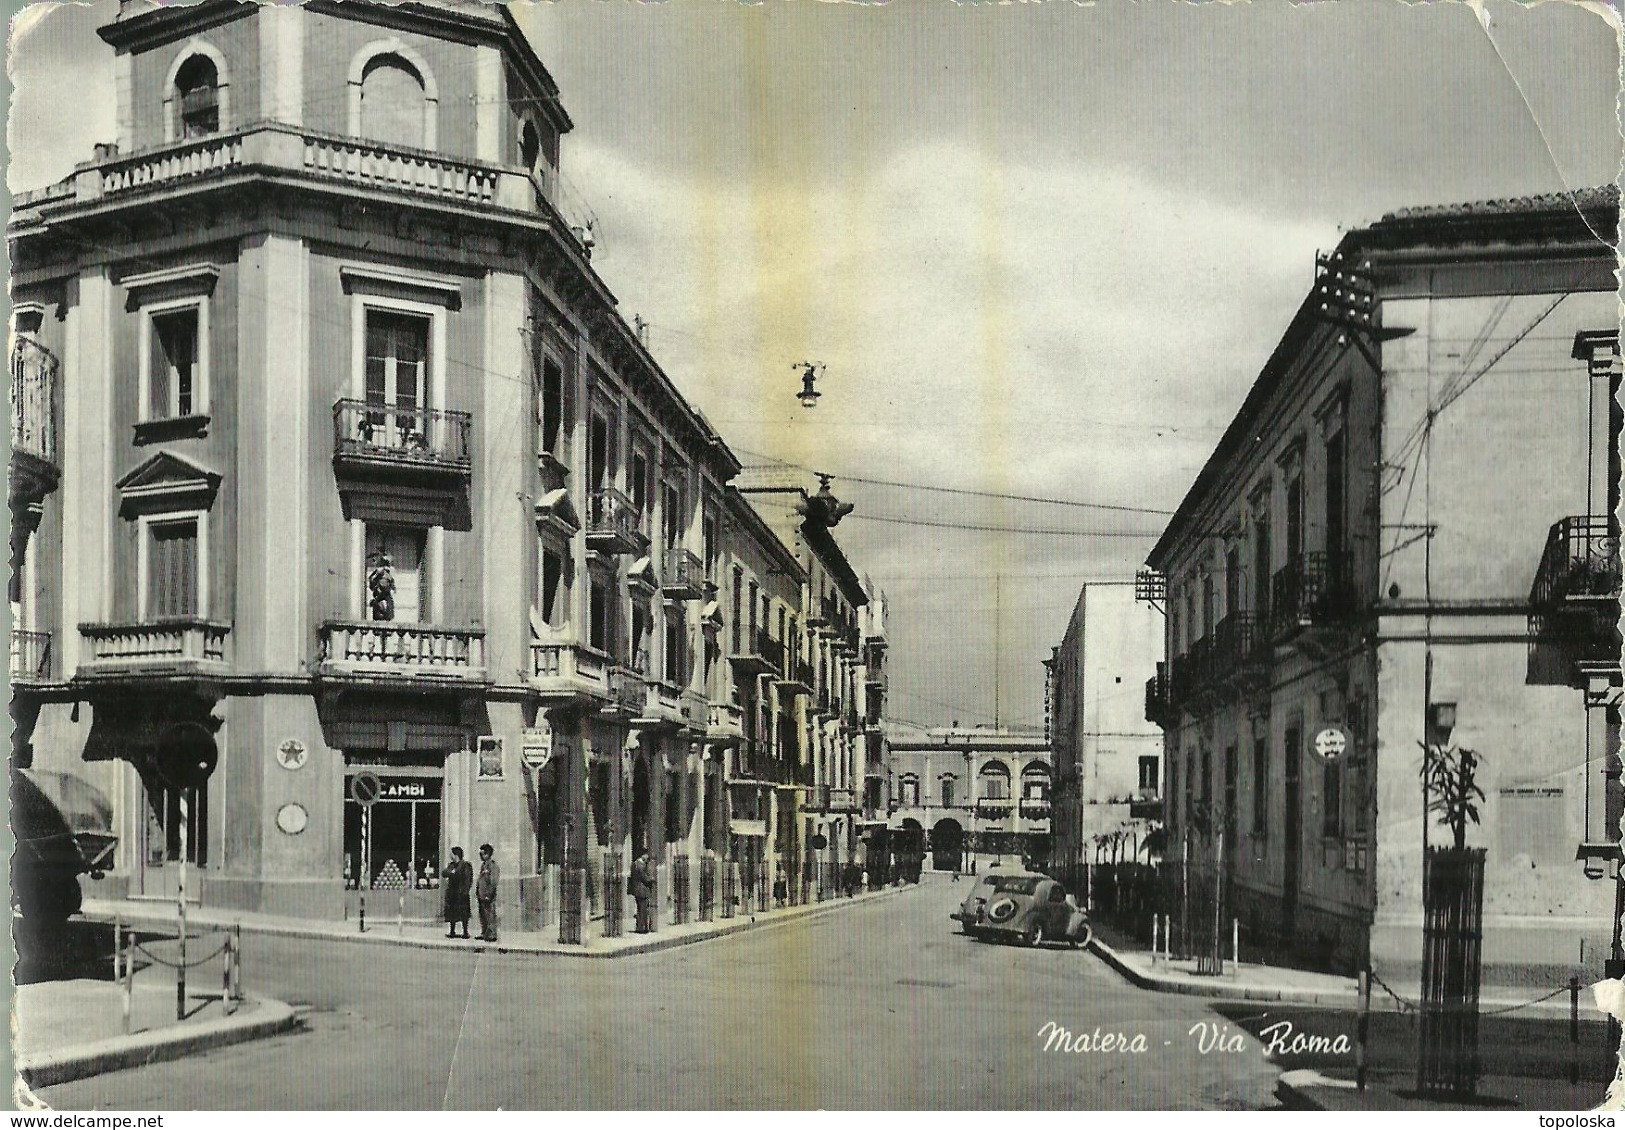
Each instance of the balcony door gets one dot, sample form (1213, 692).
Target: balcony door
(397, 376)
(403, 546)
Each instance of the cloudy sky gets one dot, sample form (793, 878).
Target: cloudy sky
(1041, 249)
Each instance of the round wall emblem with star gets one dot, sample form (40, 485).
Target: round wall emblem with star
(291, 754)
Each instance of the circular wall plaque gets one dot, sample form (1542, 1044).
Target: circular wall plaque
(292, 818)
(291, 754)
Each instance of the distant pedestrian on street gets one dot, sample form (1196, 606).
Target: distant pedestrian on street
(641, 886)
(485, 893)
(781, 888)
(457, 882)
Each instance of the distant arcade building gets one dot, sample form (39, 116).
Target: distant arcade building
(969, 796)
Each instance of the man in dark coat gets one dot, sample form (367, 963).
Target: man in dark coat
(485, 893)
(456, 884)
(641, 886)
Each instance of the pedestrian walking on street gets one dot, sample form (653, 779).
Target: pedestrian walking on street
(641, 886)
(457, 882)
(485, 893)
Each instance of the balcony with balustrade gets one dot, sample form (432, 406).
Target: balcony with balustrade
(568, 674)
(34, 470)
(724, 722)
(670, 705)
(1574, 602)
(30, 658)
(400, 443)
(614, 526)
(397, 652)
(177, 650)
(297, 156)
(1034, 809)
(628, 693)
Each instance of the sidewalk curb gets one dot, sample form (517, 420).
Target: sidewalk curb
(80, 1061)
(724, 928)
(1219, 989)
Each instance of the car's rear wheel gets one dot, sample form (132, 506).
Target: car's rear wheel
(1035, 934)
(1082, 940)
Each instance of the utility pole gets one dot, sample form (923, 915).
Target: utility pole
(996, 628)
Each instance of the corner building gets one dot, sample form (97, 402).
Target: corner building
(317, 314)
(1408, 521)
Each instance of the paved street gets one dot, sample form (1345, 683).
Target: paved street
(881, 1005)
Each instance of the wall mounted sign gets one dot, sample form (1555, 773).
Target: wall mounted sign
(292, 818)
(1332, 743)
(536, 747)
(291, 754)
(488, 756)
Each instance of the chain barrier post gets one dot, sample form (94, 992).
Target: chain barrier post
(1362, 1030)
(1574, 1029)
(180, 895)
(364, 880)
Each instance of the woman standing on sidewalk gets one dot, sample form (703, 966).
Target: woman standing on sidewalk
(457, 881)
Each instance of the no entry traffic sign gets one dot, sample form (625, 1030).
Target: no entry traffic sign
(364, 788)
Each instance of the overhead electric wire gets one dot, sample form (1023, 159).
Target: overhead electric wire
(955, 490)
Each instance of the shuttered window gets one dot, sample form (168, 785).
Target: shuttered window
(172, 564)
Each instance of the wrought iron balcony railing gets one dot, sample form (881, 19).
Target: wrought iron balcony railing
(758, 654)
(1315, 589)
(684, 576)
(30, 657)
(1157, 707)
(1236, 643)
(1580, 564)
(612, 523)
(390, 436)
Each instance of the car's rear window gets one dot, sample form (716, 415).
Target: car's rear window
(1015, 886)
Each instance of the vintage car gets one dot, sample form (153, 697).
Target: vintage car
(1023, 906)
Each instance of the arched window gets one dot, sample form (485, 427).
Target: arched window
(1035, 782)
(197, 97)
(392, 103)
(995, 781)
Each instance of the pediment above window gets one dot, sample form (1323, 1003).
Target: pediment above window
(385, 282)
(191, 281)
(642, 575)
(165, 483)
(711, 617)
(555, 511)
